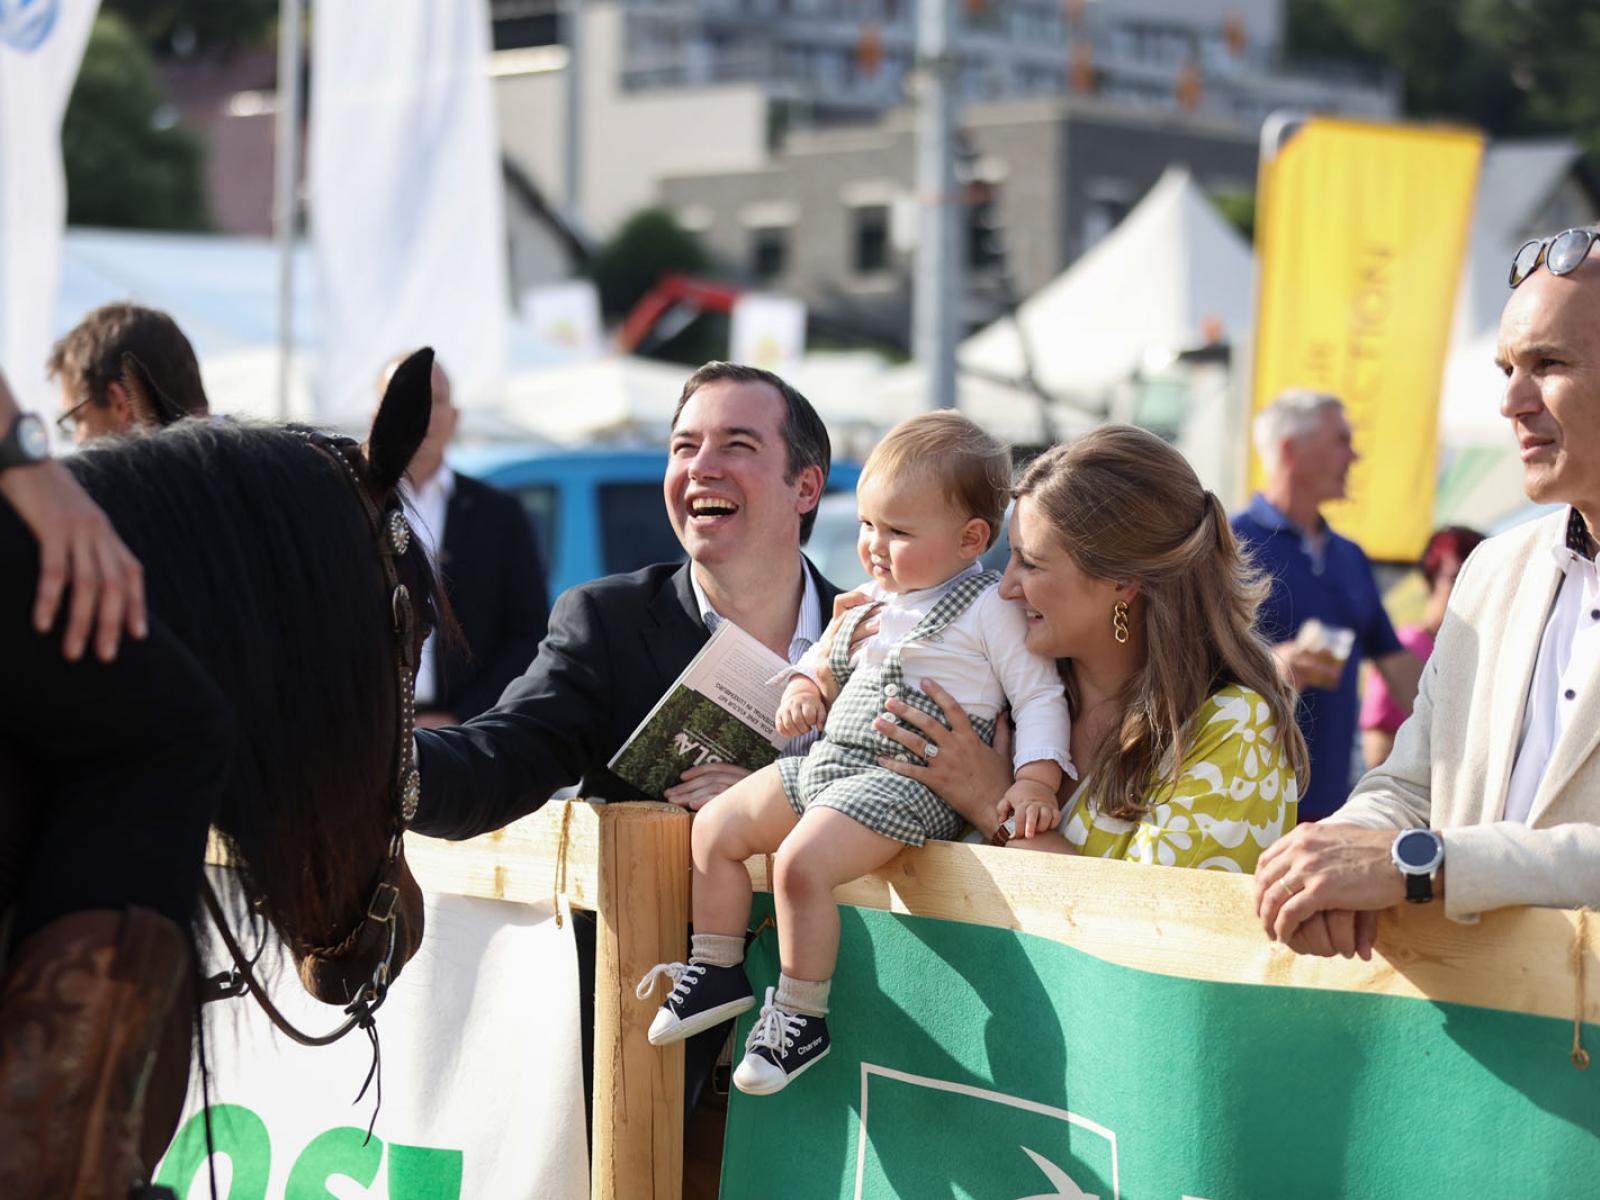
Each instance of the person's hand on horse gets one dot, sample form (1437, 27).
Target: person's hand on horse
(81, 552)
(842, 603)
(966, 774)
(698, 786)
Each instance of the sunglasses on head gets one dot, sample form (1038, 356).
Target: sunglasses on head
(1559, 255)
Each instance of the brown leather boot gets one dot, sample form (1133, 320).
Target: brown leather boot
(82, 1010)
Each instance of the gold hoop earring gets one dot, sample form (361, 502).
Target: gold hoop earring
(1119, 622)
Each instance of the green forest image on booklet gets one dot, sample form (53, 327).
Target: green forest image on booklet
(689, 730)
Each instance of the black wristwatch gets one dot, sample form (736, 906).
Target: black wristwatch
(25, 443)
(1418, 853)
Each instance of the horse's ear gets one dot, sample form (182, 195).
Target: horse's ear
(402, 420)
(150, 405)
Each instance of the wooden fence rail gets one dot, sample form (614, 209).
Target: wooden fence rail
(630, 864)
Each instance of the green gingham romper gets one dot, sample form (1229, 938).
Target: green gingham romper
(842, 771)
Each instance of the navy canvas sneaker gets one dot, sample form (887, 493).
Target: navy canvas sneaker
(702, 995)
(781, 1046)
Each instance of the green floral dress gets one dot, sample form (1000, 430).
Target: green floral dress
(1235, 796)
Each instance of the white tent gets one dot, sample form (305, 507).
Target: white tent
(609, 398)
(1172, 276)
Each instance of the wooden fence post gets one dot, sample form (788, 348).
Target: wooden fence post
(643, 919)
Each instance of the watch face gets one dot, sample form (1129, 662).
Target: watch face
(1417, 848)
(32, 437)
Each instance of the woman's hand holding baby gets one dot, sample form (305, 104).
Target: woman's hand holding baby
(802, 708)
(965, 773)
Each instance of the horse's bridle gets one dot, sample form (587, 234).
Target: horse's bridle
(391, 536)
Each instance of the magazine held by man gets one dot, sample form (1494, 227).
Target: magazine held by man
(723, 708)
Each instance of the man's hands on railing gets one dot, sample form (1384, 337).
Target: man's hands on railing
(1320, 887)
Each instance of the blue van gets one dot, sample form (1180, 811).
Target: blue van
(594, 511)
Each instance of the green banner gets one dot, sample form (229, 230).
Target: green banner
(972, 1062)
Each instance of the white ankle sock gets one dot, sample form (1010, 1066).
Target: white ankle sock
(717, 949)
(808, 996)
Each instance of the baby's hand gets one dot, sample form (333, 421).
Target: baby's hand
(1034, 805)
(801, 710)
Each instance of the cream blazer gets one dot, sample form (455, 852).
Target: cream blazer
(1451, 763)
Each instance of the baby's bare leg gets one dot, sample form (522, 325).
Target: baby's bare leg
(826, 849)
(751, 817)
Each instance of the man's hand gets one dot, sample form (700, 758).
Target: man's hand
(1034, 805)
(80, 551)
(698, 786)
(1336, 875)
(434, 718)
(802, 709)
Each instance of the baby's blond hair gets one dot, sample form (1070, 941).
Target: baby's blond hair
(945, 448)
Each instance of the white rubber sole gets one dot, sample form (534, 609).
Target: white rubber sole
(767, 1087)
(664, 1033)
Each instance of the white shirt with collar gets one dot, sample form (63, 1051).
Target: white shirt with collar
(808, 628)
(1568, 654)
(980, 659)
(429, 504)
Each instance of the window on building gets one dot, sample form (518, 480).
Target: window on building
(870, 235)
(769, 251)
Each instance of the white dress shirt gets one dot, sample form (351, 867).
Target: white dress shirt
(808, 626)
(429, 504)
(1567, 656)
(980, 659)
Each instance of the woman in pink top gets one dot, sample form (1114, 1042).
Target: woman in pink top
(1447, 549)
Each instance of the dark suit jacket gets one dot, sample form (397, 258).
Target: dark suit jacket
(614, 647)
(496, 586)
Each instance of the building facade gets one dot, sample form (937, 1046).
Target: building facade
(832, 217)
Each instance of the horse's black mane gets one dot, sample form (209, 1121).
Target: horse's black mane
(259, 557)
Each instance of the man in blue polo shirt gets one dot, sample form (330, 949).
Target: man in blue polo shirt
(1304, 440)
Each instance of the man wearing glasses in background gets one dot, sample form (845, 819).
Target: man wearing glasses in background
(1494, 781)
(95, 402)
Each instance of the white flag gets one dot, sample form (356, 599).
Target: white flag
(407, 200)
(41, 44)
(768, 331)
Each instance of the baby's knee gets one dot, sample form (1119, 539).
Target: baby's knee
(800, 873)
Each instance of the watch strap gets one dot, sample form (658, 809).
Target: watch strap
(1419, 888)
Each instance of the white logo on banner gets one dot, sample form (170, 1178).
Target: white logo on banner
(24, 24)
(1055, 1175)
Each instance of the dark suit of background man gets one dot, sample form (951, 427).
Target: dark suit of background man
(748, 460)
(491, 570)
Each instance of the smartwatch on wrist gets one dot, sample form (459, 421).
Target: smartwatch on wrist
(25, 443)
(1418, 853)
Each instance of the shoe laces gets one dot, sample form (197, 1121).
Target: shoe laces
(680, 975)
(775, 1029)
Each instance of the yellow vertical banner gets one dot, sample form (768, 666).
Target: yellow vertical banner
(1360, 233)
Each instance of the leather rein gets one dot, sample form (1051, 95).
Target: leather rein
(392, 536)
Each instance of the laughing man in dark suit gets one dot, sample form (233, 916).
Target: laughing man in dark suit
(748, 460)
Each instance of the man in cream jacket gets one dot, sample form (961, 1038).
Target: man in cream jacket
(1494, 782)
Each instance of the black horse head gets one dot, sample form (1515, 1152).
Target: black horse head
(259, 555)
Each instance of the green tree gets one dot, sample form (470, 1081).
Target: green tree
(186, 26)
(648, 245)
(1239, 209)
(1507, 66)
(128, 162)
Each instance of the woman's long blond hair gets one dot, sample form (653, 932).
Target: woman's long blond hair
(1128, 508)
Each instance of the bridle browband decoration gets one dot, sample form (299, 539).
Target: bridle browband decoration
(392, 537)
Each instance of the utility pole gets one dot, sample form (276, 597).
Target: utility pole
(572, 134)
(286, 167)
(937, 293)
